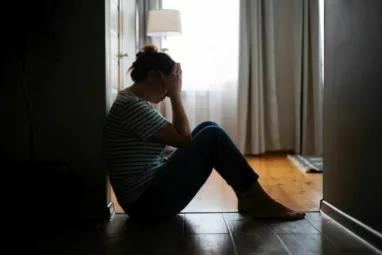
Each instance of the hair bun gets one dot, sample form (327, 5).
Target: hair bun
(147, 49)
(150, 48)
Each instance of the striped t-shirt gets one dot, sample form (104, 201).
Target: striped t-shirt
(131, 151)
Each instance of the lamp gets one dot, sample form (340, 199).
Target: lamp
(164, 23)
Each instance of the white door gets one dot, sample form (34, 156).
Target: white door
(127, 39)
(120, 44)
(120, 35)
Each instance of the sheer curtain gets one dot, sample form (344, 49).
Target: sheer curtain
(208, 52)
(280, 91)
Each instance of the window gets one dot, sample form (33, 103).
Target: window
(209, 46)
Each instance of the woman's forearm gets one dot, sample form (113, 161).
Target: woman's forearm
(180, 120)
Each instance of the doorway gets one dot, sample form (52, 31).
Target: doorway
(280, 177)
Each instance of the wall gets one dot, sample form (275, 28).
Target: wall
(68, 102)
(353, 109)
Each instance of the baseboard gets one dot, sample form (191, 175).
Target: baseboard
(270, 153)
(371, 236)
(111, 208)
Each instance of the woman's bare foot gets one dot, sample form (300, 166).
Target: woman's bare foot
(274, 210)
(259, 204)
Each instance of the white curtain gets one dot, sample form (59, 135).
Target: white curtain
(280, 92)
(208, 53)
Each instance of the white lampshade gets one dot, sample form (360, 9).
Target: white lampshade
(164, 23)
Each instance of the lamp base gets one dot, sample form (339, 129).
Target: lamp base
(164, 50)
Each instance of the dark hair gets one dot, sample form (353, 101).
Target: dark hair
(148, 58)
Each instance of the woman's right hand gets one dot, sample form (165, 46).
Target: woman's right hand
(173, 82)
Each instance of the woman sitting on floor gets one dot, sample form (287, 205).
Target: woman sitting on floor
(146, 184)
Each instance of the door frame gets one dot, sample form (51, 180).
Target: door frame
(122, 53)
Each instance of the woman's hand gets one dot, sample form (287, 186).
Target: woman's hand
(173, 82)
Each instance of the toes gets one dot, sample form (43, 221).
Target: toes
(300, 215)
(296, 215)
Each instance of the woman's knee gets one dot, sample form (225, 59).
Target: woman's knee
(211, 133)
(201, 126)
(208, 123)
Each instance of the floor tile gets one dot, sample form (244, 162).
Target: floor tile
(341, 237)
(165, 237)
(200, 244)
(114, 225)
(309, 244)
(247, 218)
(150, 245)
(236, 216)
(316, 216)
(172, 228)
(205, 224)
(294, 227)
(255, 237)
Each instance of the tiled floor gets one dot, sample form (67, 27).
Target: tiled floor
(215, 233)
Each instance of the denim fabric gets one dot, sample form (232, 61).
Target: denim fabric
(185, 171)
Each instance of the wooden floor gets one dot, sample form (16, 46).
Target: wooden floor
(202, 234)
(279, 177)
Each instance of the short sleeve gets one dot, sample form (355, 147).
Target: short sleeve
(141, 119)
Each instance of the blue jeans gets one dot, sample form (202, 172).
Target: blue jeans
(180, 177)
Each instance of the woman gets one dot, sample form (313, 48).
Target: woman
(146, 184)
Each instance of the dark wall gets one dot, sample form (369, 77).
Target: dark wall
(353, 109)
(67, 99)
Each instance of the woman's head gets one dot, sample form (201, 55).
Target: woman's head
(145, 71)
